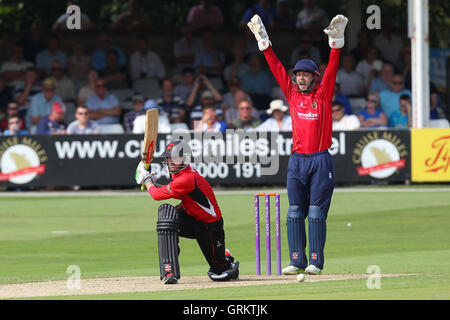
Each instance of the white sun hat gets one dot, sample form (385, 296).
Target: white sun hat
(277, 104)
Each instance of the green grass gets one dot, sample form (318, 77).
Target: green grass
(115, 236)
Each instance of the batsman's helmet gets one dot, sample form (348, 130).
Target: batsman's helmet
(309, 66)
(179, 153)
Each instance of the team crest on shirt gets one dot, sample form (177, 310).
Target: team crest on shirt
(314, 104)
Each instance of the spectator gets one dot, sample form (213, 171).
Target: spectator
(185, 48)
(82, 124)
(401, 118)
(134, 18)
(64, 86)
(351, 82)
(257, 83)
(41, 104)
(281, 19)
(403, 65)
(388, 42)
(89, 89)
(99, 56)
(311, 13)
(33, 43)
(361, 49)
(263, 8)
(54, 122)
(278, 120)
(372, 116)
(183, 89)
(389, 99)
(436, 111)
(61, 22)
(232, 99)
(207, 99)
(13, 71)
(138, 101)
(12, 111)
(238, 67)
(145, 63)
(201, 84)
(115, 76)
(364, 67)
(209, 122)
(163, 121)
(209, 60)
(341, 98)
(14, 127)
(24, 93)
(205, 14)
(103, 107)
(6, 94)
(172, 105)
(78, 63)
(245, 121)
(383, 81)
(342, 121)
(305, 45)
(45, 58)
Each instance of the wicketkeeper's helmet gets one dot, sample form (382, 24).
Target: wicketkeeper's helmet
(309, 66)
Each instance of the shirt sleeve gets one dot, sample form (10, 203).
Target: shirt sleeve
(279, 72)
(329, 78)
(173, 190)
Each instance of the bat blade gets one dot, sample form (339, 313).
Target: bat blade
(150, 137)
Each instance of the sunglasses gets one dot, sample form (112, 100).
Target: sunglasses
(14, 122)
(245, 108)
(397, 82)
(374, 101)
(82, 113)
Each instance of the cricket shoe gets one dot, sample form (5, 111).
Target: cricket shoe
(170, 278)
(227, 275)
(292, 270)
(312, 269)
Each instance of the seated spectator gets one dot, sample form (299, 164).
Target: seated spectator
(41, 104)
(45, 58)
(6, 94)
(205, 14)
(114, 75)
(138, 101)
(64, 86)
(365, 66)
(342, 121)
(387, 41)
(145, 63)
(401, 118)
(103, 107)
(351, 82)
(278, 120)
(14, 127)
(201, 84)
(364, 43)
(209, 60)
(383, 81)
(403, 65)
(372, 116)
(257, 83)
(436, 111)
(78, 64)
(54, 122)
(389, 99)
(263, 8)
(134, 18)
(305, 45)
(163, 121)
(341, 98)
(281, 18)
(238, 67)
(207, 99)
(33, 43)
(232, 99)
(82, 124)
(13, 71)
(183, 89)
(99, 56)
(24, 93)
(172, 105)
(311, 13)
(185, 48)
(61, 22)
(245, 120)
(12, 111)
(89, 89)
(209, 122)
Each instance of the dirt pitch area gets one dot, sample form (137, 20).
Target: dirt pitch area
(148, 284)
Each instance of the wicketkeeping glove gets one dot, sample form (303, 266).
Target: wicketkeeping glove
(257, 27)
(143, 176)
(335, 31)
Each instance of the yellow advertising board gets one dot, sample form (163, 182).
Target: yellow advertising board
(430, 155)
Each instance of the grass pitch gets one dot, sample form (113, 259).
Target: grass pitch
(115, 236)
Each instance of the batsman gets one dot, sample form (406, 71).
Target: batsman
(310, 176)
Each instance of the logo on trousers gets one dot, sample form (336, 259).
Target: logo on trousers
(294, 255)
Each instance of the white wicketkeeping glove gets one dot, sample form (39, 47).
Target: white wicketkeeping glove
(257, 27)
(142, 174)
(335, 31)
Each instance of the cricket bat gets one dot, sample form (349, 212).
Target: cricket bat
(150, 136)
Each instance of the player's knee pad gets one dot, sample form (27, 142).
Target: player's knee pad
(167, 229)
(295, 212)
(316, 213)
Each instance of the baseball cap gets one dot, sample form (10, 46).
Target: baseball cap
(58, 107)
(48, 83)
(137, 97)
(150, 104)
(277, 104)
(207, 95)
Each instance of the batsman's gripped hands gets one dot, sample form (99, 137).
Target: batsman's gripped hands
(257, 27)
(335, 31)
(143, 176)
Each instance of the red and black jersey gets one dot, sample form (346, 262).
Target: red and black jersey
(195, 193)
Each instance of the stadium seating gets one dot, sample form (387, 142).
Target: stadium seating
(148, 87)
(111, 128)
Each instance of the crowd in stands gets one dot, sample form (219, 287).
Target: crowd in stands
(46, 90)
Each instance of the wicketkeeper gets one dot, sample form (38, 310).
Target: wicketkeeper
(310, 177)
(198, 217)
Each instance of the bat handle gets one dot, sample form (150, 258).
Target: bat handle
(147, 166)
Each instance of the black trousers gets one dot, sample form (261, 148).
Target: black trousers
(210, 237)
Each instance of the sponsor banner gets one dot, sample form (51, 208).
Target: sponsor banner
(232, 158)
(430, 155)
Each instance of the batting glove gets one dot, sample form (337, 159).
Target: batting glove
(142, 174)
(335, 31)
(257, 27)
